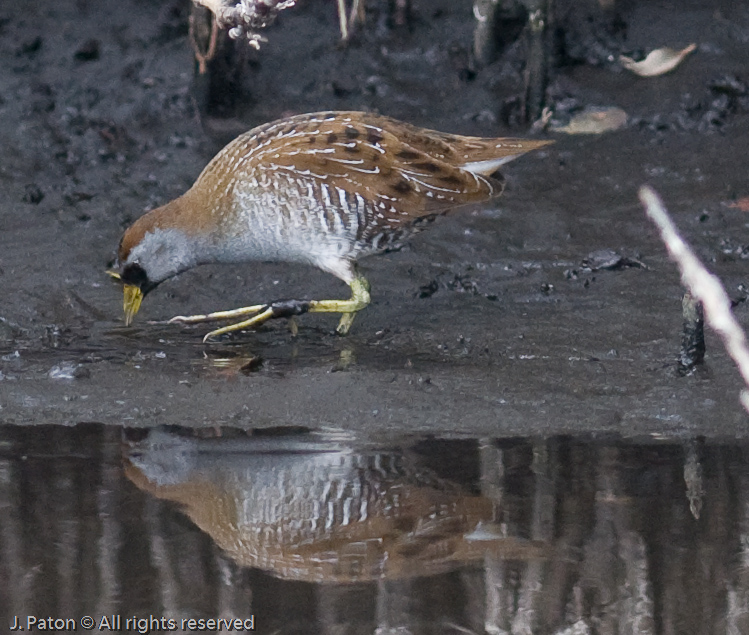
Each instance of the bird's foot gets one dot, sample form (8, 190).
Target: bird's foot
(347, 308)
(347, 319)
(286, 309)
(218, 315)
(260, 312)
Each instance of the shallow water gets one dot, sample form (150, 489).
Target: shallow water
(329, 532)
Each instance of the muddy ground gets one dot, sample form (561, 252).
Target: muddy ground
(488, 323)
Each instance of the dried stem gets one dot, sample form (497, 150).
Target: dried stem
(703, 285)
(342, 23)
(692, 351)
(537, 64)
(401, 12)
(210, 53)
(356, 16)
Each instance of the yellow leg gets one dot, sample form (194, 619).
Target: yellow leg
(347, 308)
(287, 308)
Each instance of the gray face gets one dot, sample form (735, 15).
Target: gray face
(161, 254)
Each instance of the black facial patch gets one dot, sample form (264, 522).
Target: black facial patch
(135, 274)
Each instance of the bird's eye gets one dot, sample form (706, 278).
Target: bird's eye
(134, 274)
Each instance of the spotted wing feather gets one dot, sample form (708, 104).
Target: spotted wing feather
(458, 150)
(367, 156)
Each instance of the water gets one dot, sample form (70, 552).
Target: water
(325, 532)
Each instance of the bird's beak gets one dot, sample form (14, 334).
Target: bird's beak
(133, 296)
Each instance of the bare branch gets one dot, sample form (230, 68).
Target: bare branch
(703, 285)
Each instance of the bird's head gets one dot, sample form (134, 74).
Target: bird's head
(149, 253)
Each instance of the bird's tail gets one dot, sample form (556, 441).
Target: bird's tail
(487, 155)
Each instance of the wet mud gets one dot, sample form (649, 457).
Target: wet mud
(500, 320)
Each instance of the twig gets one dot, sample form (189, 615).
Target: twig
(402, 10)
(484, 35)
(203, 58)
(356, 15)
(537, 63)
(342, 23)
(703, 285)
(692, 351)
(357, 12)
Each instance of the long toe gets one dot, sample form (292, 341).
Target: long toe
(246, 324)
(219, 315)
(345, 323)
(186, 319)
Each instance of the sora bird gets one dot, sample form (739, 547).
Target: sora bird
(323, 189)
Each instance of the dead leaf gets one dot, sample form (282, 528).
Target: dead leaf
(741, 204)
(657, 62)
(594, 120)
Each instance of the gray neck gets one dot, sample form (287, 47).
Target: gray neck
(164, 253)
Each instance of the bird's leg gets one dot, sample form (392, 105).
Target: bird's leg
(348, 308)
(287, 308)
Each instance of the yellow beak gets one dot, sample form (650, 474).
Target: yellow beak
(133, 296)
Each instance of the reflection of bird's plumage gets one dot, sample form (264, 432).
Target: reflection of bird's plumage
(320, 514)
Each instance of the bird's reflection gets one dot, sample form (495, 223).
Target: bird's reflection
(322, 509)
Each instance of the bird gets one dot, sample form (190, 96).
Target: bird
(324, 189)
